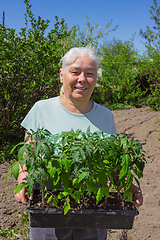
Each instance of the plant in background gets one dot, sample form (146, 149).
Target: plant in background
(21, 231)
(29, 67)
(120, 66)
(152, 37)
(78, 162)
(127, 78)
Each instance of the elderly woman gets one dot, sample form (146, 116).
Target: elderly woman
(72, 110)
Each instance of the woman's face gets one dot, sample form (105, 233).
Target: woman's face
(79, 79)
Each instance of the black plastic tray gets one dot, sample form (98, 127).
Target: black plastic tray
(98, 219)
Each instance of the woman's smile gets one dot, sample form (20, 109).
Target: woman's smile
(80, 89)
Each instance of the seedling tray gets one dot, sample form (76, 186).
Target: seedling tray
(84, 218)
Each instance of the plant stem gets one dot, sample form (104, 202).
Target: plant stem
(105, 202)
(83, 197)
(121, 198)
(42, 194)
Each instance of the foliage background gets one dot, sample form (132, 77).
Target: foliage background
(30, 62)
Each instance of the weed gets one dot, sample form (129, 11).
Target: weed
(5, 233)
(158, 138)
(22, 232)
(158, 120)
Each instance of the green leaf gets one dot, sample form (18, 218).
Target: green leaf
(56, 163)
(75, 181)
(106, 191)
(128, 195)
(74, 148)
(67, 164)
(82, 176)
(56, 178)
(21, 143)
(19, 188)
(88, 132)
(50, 199)
(10, 190)
(129, 179)
(67, 205)
(15, 170)
(21, 151)
(139, 173)
(88, 151)
(66, 179)
(140, 165)
(51, 170)
(31, 162)
(27, 138)
(54, 138)
(90, 186)
(42, 172)
(125, 165)
(124, 141)
(110, 142)
(102, 177)
(75, 157)
(137, 182)
(99, 195)
(82, 153)
(8, 174)
(38, 178)
(29, 185)
(77, 195)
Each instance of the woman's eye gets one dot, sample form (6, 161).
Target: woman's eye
(90, 73)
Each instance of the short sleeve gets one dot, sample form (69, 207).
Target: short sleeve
(30, 122)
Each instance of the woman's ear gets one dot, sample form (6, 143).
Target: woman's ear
(61, 76)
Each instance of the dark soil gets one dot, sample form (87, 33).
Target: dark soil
(112, 203)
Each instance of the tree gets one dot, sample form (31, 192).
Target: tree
(152, 37)
(114, 46)
(119, 73)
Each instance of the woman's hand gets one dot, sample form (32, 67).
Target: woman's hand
(22, 196)
(137, 195)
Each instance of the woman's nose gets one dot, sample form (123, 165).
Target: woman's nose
(82, 77)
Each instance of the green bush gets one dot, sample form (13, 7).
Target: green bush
(119, 71)
(29, 71)
(149, 78)
(29, 68)
(129, 79)
(152, 35)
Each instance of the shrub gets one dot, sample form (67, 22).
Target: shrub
(29, 70)
(29, 66)
(130, 79)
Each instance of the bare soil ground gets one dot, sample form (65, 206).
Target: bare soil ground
(144, 126)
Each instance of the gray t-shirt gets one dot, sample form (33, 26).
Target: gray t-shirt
(50, 114)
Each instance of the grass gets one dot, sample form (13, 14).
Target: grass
(158, 138)
(21, 233)
(158, 120)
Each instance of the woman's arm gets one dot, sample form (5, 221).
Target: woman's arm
(21, 196)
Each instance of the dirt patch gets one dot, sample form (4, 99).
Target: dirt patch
(112, 203)
(144, 126)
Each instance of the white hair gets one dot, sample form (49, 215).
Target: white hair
(74, 53)
(61, 91)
